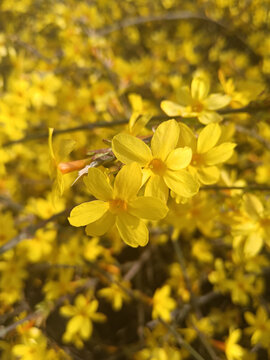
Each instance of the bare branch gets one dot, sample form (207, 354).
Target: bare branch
(176, 16)
(252, 108)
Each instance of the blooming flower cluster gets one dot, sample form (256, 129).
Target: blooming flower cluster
(175, 162)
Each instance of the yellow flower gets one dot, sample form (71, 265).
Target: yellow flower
(260, 327)
(43, 89)
(253, 224)
(238, 99)
(218, 277)
(32, 348)
(197, 213)
(93, 249)
(40, 245)
(7, 227)
(202, 251)
(12, 118)
(63, 285)
(197, 103)
(163, 304)
(206, 152)
(82, 313)
(232, 349)
(241, 287)
(163, 164)
(115, 294)
(118, 205)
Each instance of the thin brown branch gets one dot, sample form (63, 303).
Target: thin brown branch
(226, 30)
(86, 127)
(155, 119)
(137, 265)
(181, 341)
(5, 330)
(29, 48)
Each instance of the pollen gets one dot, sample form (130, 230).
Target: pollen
(117, 206)
(158, 167)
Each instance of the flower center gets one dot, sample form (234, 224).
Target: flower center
(197, 160)
(265, 222)
(117, 206)
(197, 106)
(158, 166)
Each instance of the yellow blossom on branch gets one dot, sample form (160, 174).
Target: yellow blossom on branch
(163, 303)
(197, 103)
(207, 152)
(233, 350)
(163, 165)
(259, 328)
(82, 313)
(118, 205)
(116, 294)
(253, 224)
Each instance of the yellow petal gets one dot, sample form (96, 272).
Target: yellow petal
(208, 138)
(156, 187)
(65, 147)
(147, 207)
(219, 154)
(128, 182)
(136, 102)
(199, 88)
(146, 173)
(181, 182)
(101, 226)
(252, 206)
(80, 301)
(172, 109)
(253, 244)
(165, 139)
(88, 212)
(250, 318)
(139, 124)
(184, 96)
(186, 137)
(67, 311)
(86, 329)
(50, 143)
(128, 148)
(98, 184)
(207, 117)
(92, 308)
(74, 325)
(208, 175)
(132, 230)
(179, 158)
(216, 101)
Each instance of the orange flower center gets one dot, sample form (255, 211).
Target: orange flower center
(197, 106)
(117, 206)
(197, 159)
(158, 167)
(265, 222)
